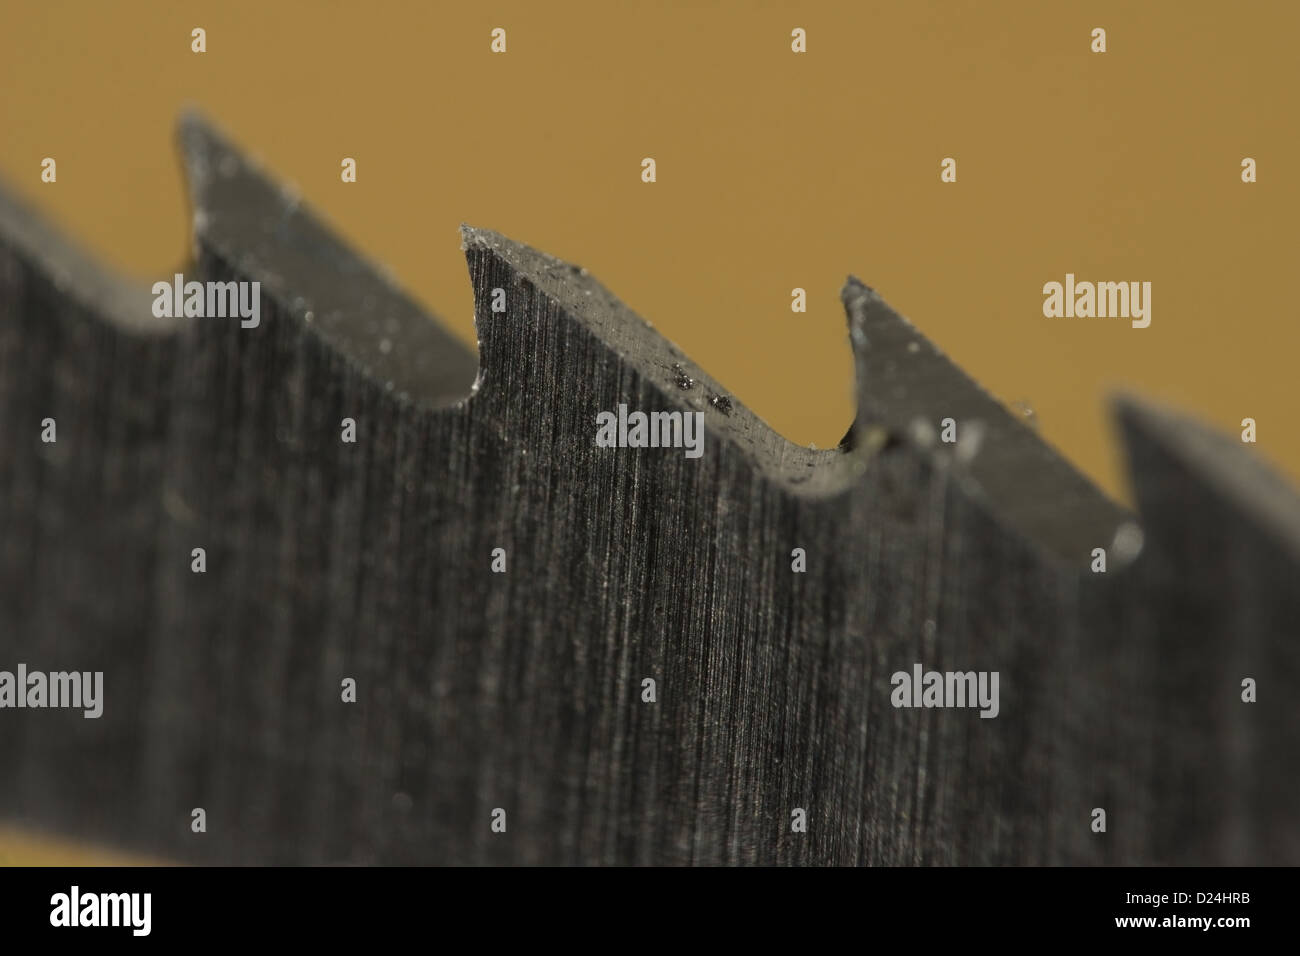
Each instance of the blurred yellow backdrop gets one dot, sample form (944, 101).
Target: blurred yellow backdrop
(776, 170)
(19, 848)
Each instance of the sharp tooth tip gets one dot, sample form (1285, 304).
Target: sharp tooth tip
(475, 234)
(196, 130)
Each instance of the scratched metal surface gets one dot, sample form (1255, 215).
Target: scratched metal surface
(522, 690)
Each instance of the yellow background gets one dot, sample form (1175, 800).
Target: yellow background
(775, 170)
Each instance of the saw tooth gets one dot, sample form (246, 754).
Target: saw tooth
(248, 227)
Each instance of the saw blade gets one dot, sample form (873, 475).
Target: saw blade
(357, 595)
